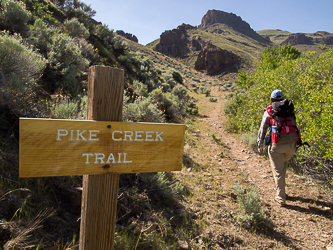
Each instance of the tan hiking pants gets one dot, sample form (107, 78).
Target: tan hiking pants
(279, 155)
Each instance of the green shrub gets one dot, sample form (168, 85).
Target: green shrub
(14, 15)
(105, 34)
(42, 10)
(15, 83)
(177, 76)
(66, 57)
(273, 57)
(231, 124)
(18, 60)
(41, 36)
(140, 89)
(70, 108)
(212, 99)
(165, 87)
(231, 107)
(250, 209)
(215, 138)
(142, 111)
(250, 139)
(76, 29)
(181, 92)
(65, 110)
(171, 83)
(164, 184)
(204, 90)
(192, 108)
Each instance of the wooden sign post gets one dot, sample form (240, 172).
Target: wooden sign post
(100, 148)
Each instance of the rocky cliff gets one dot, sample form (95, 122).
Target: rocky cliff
(127, 36)
(216, 16)
(214, 60)
(327, 40)
(174, 42)
(298, 38)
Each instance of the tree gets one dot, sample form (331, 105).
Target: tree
(273, 57)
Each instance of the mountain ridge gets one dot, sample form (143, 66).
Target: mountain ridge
(230, 32)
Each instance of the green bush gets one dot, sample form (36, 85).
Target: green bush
(177, 76)
(42, 10)
(76, 29)
(142, 111)
(181, 92)
(250, 139)
(41, 36)
(18, 60)
(165, 87)
(204, 90)
(70, 108)
(250, 209)
(105, 34)
(14, 15)
(66, 57)
(65, 110)
(231, 124)
(140, 89)
(273, 57)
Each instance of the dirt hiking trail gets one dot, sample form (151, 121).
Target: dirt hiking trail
(304, 223)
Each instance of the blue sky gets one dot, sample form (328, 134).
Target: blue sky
(147, 19)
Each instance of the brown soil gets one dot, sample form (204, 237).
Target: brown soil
(304, 223)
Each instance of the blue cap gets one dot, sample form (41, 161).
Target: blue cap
(277, 94)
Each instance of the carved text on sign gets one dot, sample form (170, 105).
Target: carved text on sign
(91, 135)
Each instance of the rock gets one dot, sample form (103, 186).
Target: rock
(183, 244)
(327, 40)
(127, 36)
(174, 42)
(215, 60)
(216, 16)
(298, 38)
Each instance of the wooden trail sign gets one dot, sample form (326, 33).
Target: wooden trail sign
(100, 150)
(51, 147)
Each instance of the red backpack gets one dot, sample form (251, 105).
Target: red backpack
(282, 119)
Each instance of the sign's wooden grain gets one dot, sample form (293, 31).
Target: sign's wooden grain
(51, 147)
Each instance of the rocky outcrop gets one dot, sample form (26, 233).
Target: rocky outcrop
(298, 38)
(215, 60)
(196, 43)
(216, 16)
(327, 40)
(127, 36)
(174, 42)
(267, 38)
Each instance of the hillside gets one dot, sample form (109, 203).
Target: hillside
(304, 42)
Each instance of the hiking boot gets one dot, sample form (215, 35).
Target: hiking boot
(279, 203)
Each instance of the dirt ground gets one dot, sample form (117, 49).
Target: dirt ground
(304, 223)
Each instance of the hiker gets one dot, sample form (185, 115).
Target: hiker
(282, 139)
